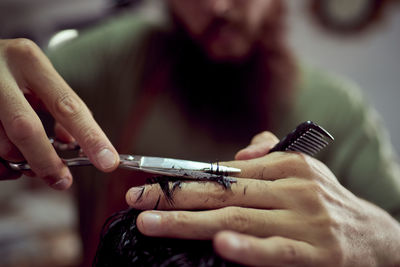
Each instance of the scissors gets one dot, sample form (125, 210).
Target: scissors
(308, 137)
(156, 165)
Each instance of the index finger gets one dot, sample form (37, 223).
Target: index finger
(277, 165)
(23, 127)
(69, 110)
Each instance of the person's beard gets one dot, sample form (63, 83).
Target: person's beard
(245, 92)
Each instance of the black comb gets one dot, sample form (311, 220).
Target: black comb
(308, 138)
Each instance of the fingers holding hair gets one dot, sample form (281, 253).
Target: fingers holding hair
(205, 224)
(209, 195)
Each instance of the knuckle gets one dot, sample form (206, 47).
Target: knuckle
(301, 158)
(328, 224)
(67, 105)
(315, 189)
(23, 127)
(235, 219)
(311, 197)
(304, 166)
(288, 252)
(210, 191)
(21, 48)
(90, 138)
(50, 170)
(301, 164)
(176, 220)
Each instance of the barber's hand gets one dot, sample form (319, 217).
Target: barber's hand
(25, 72)
(287, 209)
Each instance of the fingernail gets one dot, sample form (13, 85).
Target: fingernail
(136, 193)
(61, 184)
(151, 222)
(106, 159)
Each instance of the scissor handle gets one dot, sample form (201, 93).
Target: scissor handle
(72, 162)
(126, 161)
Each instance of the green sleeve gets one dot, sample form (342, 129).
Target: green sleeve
(105, 66)
(361, 156)
(102, 55)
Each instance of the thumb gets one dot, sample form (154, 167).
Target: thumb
(258, 147)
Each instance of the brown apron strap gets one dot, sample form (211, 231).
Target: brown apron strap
(122, 180)
(139, 113)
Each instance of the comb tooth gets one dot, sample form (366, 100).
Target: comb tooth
(321, 141)
(306, 140)
(311, 144)
(299, 149)
(321, 131)
(318, 136)
(308, 148)
(302, 148)
(322, 135)
(315, 131)
(295, 148)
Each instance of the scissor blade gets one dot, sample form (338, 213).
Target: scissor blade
(168, 164)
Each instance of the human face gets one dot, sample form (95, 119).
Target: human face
(226, 29)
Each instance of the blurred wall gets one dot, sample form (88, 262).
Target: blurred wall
(38, 19)
(371, 59)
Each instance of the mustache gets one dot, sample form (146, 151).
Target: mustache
(218, 23)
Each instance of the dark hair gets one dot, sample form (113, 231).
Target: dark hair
(122, 245)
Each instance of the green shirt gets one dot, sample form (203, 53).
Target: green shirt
(106, 67)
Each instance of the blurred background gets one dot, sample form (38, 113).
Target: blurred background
(358, 39)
